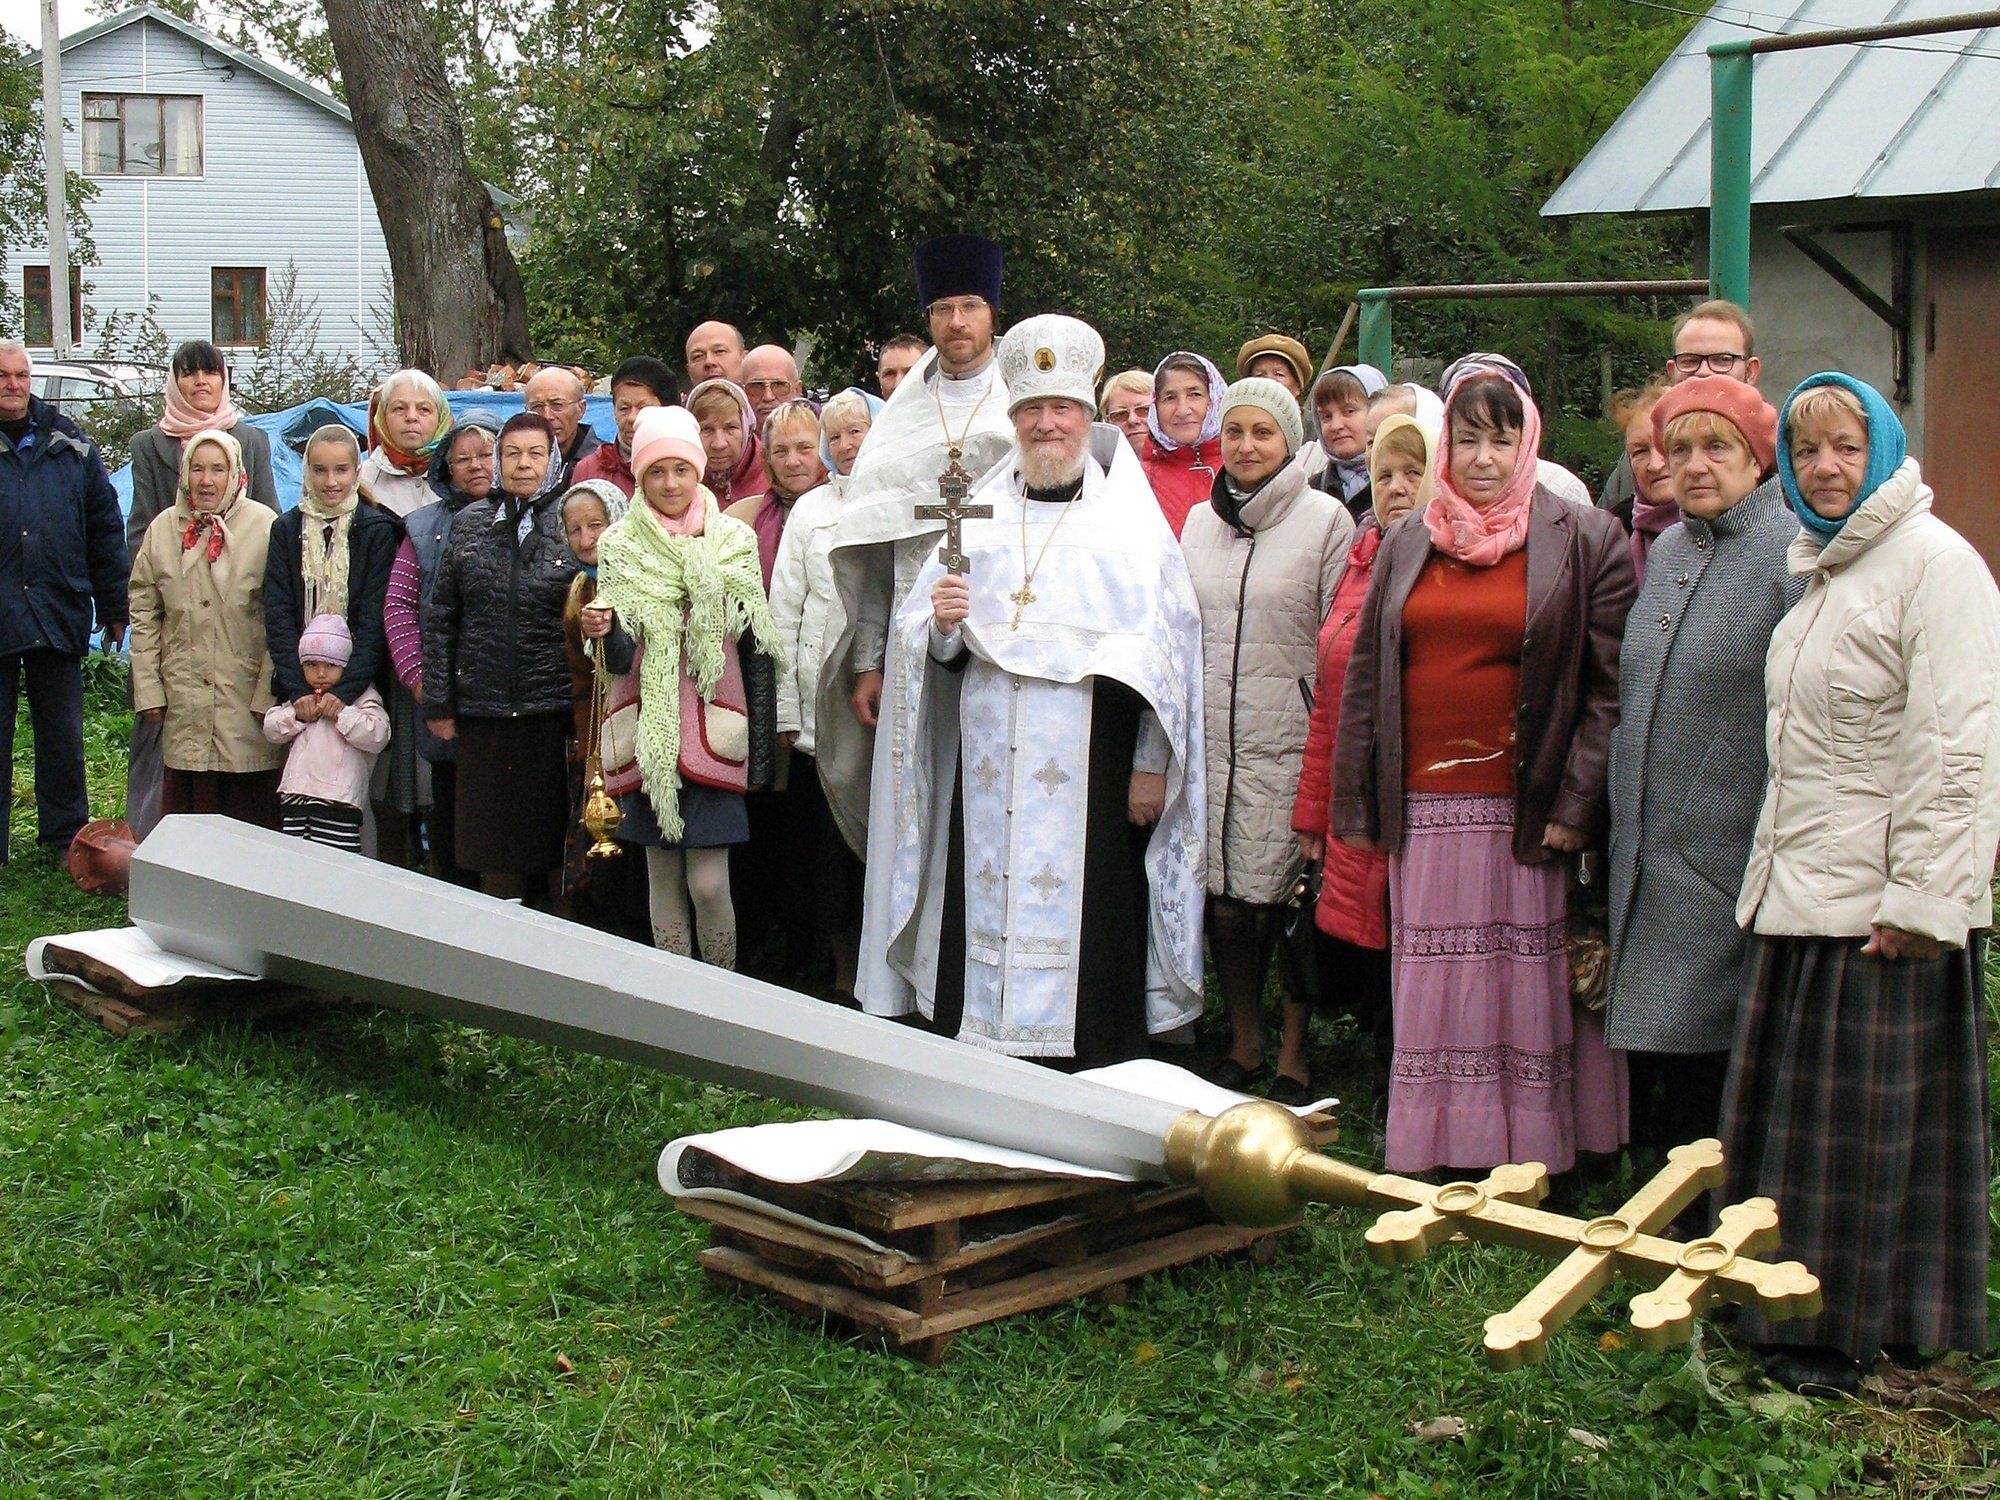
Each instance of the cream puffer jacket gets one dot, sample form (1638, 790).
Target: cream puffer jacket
(1882, 806)
(802, 605)
(198, 640)
(1265, 578)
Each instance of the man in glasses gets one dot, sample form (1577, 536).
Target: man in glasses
(770, 378)
(1711, 338)
(556, 394)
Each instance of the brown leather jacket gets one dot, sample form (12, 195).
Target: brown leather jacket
(1580, 586)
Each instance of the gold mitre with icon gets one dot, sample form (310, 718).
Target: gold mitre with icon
(1051, 356)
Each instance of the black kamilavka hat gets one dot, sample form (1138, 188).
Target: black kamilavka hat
(957, 265)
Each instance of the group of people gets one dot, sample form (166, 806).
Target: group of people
(1028, 697)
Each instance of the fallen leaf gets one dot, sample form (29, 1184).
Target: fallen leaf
(1588, 1440)
(1145, 1354)
(1439, 1429)
(1295, 1383)
(669, 1320)
(565, 1365)
(1611, 1342)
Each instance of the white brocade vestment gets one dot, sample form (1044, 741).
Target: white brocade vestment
(1112, 598)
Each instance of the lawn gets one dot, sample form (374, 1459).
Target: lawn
(366, 1254)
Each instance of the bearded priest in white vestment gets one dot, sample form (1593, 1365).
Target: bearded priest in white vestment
(948, 415)
(1035, 871)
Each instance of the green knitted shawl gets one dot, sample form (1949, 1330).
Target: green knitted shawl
(675, 594)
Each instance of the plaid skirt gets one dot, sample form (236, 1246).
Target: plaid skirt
(1857, 1100)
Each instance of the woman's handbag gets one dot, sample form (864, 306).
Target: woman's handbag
(715, 731)
(1589, 932)
(1298, 938)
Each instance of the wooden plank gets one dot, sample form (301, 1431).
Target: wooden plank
(1063, 1284)
(738, 1269)
(923, 1332)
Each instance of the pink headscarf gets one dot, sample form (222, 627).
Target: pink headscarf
(181, 420)
(1480, 536)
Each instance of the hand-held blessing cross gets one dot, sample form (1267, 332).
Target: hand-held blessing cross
(954, 484)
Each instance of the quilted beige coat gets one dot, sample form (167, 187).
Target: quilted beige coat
(1265, 572)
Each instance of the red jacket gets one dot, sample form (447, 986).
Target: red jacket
(1181, 479)
(604, 462)
(1354, 886)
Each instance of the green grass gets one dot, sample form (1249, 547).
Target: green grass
(341, 1256)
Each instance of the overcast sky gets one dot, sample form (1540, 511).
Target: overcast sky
(23, 19)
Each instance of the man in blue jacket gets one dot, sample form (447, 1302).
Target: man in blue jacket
(62, 551)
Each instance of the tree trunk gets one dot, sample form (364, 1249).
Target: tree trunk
(459, 303)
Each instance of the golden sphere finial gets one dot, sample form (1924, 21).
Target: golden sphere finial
(1242, 1160)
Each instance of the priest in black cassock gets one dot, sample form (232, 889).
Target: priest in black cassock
(1035, 858)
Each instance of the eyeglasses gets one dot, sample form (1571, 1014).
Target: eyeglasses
(553, 403)
(481, 460)
(1721, 364)
(1120, 415)
(767, 387)
(956, 307)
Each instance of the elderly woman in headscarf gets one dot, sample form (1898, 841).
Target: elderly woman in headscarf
(1353, 910)
(1183, 451)
(408, 420)
(200, 672)
(804, 604)
(1474, 726)
(461, 472)
(1687, 758)
(496, 674)
(329, 555)
(1857, 1089)
(196, 400)
(729, 438)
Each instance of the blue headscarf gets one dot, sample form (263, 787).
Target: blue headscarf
(1887, 446)
(874, 405)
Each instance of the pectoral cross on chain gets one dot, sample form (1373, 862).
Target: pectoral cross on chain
(954, 484)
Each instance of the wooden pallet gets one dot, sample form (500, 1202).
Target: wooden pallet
(955, 1255)
(125, 1009)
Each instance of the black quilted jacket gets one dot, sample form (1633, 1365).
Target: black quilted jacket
(493, 633)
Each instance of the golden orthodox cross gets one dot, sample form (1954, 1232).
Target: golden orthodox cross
(1261, 1166)
(954, 484)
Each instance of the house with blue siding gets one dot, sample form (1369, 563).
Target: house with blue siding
(215, 174)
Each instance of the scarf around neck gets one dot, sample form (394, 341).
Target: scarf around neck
(323, 554)
(418, 461)
(198, 525)
(179, 419)
(683, 595)
(1481, 536)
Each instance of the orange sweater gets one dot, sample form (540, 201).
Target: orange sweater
(1462, 630)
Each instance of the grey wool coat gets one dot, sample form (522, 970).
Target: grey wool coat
(1688, 771)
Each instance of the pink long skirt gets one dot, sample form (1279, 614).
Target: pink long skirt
(1494, 1062)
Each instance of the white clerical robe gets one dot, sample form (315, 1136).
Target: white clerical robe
(1111, 598)
(879, 545)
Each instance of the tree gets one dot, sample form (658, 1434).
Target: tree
(458, 296)
(23, 205)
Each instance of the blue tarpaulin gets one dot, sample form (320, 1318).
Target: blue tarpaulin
(290, 428)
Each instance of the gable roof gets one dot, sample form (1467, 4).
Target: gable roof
(211, 42)
(1918, 117)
